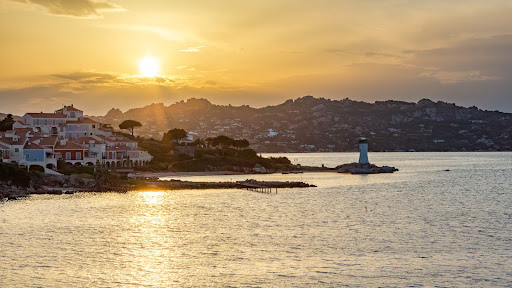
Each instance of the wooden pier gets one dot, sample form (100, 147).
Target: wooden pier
(258, 188)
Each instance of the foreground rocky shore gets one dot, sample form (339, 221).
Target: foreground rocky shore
(69, 184)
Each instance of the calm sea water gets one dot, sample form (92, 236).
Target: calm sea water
(421, 226)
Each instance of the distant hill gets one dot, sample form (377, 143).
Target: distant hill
(318, 124)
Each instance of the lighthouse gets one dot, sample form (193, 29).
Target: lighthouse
(363, 151)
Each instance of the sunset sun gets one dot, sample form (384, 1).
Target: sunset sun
(149, 67)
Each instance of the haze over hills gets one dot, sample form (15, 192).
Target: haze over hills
(318, 124)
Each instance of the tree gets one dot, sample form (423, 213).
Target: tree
(222, 141)
(209, 142)
(129, 125)
(174, 135)
(240, 144)
(6, 123)
(198, 142)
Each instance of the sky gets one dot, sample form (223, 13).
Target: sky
(85, 52)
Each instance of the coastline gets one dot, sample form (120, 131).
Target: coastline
(12, 193)
(184, 174)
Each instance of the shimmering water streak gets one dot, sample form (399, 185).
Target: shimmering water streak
(419, 227)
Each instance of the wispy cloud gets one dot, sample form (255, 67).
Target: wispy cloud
(193, 49)
(158, 31)
(74, 8)
(452, 77)
(367, 54)
(84, 75)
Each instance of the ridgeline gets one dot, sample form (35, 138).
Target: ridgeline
(310, 124)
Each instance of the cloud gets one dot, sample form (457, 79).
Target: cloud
(367, 54)
(74, 8)
(166, 34)
(77, 76)
(193, 49)
(451, 77)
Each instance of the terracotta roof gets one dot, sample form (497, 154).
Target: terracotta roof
(83, 121)
(70, 145)
(69, 108)
(45, 141)
(10, 140)
(33, 146)
(47, 115)
(23, 131)
(3, 147)
(86, 140)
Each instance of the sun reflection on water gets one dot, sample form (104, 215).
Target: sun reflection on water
(152, 197)
(151, 251)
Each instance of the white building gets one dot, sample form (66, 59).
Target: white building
(44, 138)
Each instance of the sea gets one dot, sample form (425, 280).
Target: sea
(443, 220)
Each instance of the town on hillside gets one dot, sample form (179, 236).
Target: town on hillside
(310, 124)
(44, 139)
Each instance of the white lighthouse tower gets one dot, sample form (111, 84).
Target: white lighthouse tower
(363, 151)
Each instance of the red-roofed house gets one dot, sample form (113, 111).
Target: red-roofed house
(81, 128)
(49, 123)
(15, 140)
(42, 138)
(20, 124)
(70, 151)
(96, 149)
(71, 113)
(36, 154)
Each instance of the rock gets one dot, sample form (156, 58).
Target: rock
(358, 168)
(258, 168)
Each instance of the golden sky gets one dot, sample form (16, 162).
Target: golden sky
(55, 52)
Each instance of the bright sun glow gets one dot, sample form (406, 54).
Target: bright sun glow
(149, 67)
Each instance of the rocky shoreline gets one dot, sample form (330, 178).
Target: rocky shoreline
(362, 168)
(13, 193)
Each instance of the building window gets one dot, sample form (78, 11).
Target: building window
(45, 121)
(73, 115)
(68, 155)
(16, 149)
(93, 126)
(78, 155)
(37, 121)
(53, 122)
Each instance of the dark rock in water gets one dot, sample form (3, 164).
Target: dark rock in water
(360, 168)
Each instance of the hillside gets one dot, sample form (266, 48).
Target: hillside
(318, 124)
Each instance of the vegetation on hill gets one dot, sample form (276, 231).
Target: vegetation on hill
(174, 135)
(221, 153)
(317, 124)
